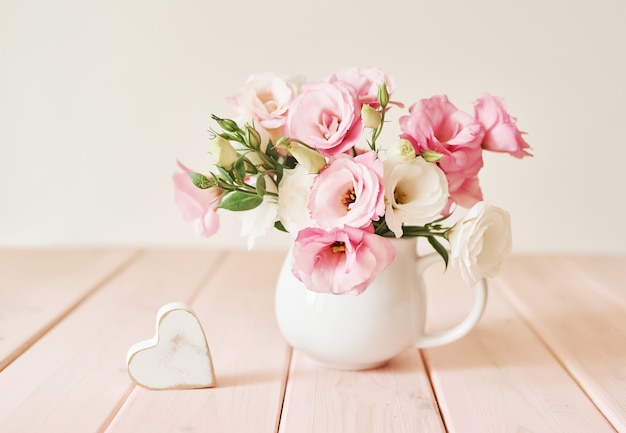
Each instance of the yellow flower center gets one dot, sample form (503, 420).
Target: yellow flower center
(399, 197)
(338, 247)
(348, 198)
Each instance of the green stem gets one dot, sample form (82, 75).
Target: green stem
(376, 133)
(246, 191)
(381, 228)
(267, 161)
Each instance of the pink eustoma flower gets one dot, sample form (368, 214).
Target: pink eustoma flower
(365, 80)
(348, 192)
(436, 124)
(501, 134)
(265, 98)
(197, 205)
(340, 261)
(325, 116)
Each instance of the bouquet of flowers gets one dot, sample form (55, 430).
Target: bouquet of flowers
(310, 159)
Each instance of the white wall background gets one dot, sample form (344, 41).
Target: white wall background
(99, 98)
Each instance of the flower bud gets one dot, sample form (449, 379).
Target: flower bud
(370, 117)
(254, 138)
(310, 159)
(282, 143)
(224, 154)
(431, 155)
(401, 149)
(227, 125)
(383, 95)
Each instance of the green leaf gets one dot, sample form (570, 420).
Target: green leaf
(271, 151)
(240, 201)
(441, 250)
(239, 170)
(225, 174)
(290, 162)
(260, 186)
(200, 180)
(279, 226)
(380, 227)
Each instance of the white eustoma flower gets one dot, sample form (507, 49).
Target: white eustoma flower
(259, 221)
(293, 199)
(480, 241)
(416, 192)
(401, 149)
(223, 153)
(370, 117)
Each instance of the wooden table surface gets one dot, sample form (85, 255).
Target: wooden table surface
(549, 354)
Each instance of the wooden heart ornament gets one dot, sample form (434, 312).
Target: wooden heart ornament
(177, 357)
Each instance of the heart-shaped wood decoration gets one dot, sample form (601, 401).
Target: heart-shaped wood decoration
(177, 357)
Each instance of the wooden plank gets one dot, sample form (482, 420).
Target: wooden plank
(585, 328)
(73, 377)
(501, 377)
(39, 287)
(605, 274)
(394, 398)
(236, 308)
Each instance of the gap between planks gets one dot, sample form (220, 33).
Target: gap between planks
(283, 391)
(432, 388)
(500, 377)
(515, 305)
(116, 409)
(117, 270)
(232, 300)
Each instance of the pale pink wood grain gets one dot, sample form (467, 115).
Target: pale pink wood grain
(548, 356)
(74, 377)
(250, 356)
(501, 377)
(393, 398)
(39, 287)
(585, 327)
(603, 274)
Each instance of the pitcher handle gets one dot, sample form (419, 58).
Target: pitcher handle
(449, 335)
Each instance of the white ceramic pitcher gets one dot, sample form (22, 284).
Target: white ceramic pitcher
(365, 331)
